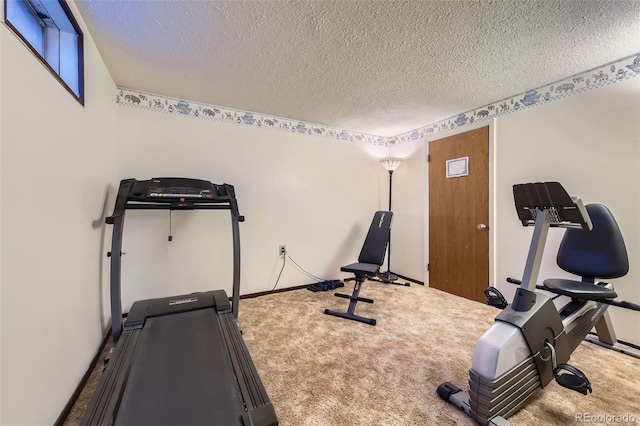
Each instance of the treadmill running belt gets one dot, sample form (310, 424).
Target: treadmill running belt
(200, 391)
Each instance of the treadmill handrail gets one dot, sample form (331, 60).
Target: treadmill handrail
(132, 195)
(121, 201)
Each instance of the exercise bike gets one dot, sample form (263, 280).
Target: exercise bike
(531, 341)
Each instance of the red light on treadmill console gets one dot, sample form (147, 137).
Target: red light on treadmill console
(182, 199)
(208, 196)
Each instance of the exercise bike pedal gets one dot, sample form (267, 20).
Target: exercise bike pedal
(575, 379)
(495, 298)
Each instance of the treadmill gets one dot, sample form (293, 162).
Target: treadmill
(178, 360)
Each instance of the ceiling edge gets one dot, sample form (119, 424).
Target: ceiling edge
(591, 79)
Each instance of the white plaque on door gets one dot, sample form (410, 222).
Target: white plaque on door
(457, 167)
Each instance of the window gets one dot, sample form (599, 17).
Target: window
(50, 30)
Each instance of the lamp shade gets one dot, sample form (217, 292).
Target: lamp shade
(390, 163)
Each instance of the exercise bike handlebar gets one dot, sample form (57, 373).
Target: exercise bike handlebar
(622, 304)
(518, 282)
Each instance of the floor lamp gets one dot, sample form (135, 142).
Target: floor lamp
(390, 163)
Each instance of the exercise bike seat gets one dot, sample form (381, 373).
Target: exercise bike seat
(579, 289)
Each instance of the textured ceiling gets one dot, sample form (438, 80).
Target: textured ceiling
(377, 67)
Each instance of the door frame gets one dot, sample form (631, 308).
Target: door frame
(492, 180)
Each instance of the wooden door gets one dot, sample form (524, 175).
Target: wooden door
(458, 210)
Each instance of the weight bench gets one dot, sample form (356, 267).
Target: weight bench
(369, 262)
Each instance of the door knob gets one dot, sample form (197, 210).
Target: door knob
(481, 227)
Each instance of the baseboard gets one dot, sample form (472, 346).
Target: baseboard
(298, 287)
(408, 279)
(74, 397)
(280, 290)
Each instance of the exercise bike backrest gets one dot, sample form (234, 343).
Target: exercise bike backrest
(599, 253)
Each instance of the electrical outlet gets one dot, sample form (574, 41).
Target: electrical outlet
(282, 250)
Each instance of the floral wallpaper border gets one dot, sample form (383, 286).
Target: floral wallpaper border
(579, 83)
(588, 80)
(202, 111)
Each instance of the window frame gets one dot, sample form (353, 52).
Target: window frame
(80, 49)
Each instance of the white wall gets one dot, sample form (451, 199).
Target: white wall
(317, 195)
(589, 142)
(58, 158)
(407, 236)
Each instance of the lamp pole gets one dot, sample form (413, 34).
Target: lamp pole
(390, 186)
(390, 163)
(390, 277)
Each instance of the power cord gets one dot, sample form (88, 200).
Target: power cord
(310, 275)
(300, 268)
(284, 261)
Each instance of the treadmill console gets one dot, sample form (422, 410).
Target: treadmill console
(174, 194)
(172, 189)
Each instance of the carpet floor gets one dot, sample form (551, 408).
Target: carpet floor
(321, 370)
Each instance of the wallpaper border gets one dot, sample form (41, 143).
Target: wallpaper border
(159, 103)
(588, 80)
